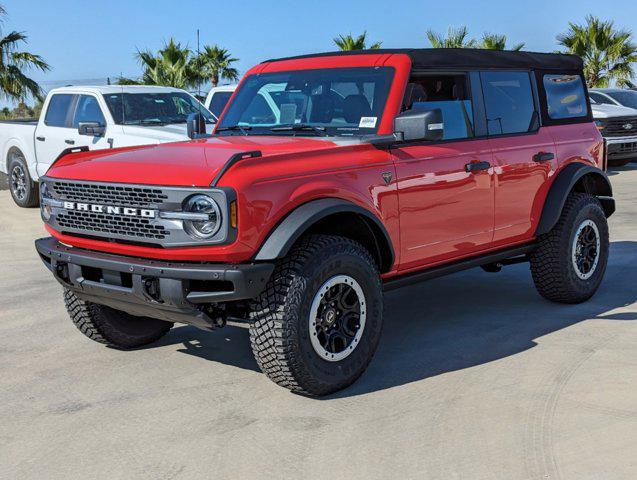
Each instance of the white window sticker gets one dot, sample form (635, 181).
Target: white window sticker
(367, 122)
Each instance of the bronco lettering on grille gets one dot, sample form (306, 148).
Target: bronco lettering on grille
(110, 209)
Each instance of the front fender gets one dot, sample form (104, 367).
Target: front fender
(293, 226)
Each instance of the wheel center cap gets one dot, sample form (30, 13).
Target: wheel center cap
(330, 316)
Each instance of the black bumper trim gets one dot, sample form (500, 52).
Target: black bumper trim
(122, 282)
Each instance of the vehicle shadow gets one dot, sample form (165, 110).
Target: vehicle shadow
(451, 323)
(617, 170)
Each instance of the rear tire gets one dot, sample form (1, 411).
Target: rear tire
(317, 324)
(113, 327)
(23, 189)
(569, 263)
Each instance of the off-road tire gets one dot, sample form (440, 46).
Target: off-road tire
(279, 331)
(552, 266)
(112, 327)
(17, 165)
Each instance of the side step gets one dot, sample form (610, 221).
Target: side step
(516, 255)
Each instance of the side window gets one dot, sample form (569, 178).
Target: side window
(565, 96)
(218, 102)
(597, 98)
(58, 110)
(509, 103)
(88, 110)
(449, 93)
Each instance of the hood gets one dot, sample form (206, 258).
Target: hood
(610, 111)
(183, 164)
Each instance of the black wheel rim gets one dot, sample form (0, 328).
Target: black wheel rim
(586, 247)
(19, 182)
(337, 318)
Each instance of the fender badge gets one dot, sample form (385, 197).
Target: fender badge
(387, 176)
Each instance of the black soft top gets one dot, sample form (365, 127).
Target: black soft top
(469, 58)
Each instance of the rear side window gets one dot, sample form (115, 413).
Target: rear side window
(58, 110)
(565, 96)
(509, 103)
(597, 98)
(88, 110)
(218, 102)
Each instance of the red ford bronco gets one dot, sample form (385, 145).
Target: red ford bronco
(332, 178)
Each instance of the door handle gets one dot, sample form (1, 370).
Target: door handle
(477, 166)
(543, 157)
(40, 139)
(70, 142)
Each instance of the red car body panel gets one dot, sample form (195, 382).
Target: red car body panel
(433, 210)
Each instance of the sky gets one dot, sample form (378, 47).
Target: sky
(86, 42)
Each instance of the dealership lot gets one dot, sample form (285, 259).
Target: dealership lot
(476, 377)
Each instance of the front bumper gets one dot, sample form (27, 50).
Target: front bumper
(176, 292)
(620, 148)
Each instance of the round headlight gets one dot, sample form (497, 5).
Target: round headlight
(45, 208)
(210, 223)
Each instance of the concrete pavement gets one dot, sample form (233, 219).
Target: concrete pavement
(476, 377)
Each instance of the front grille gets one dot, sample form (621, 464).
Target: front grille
(616, 127)
(622, 149)
(98, 222)
(120, 195)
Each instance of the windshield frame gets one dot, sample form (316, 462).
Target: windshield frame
(195, 104)
(382, 92)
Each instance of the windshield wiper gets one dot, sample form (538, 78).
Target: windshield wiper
(146, 122)
(234, 128)
(301, 127)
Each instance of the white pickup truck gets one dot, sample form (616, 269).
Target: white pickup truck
(93, 118)
(218, 98)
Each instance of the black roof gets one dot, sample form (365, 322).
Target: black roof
(470, 58)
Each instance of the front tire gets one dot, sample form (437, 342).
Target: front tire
(113, 327)
(317, 324)
(569, 263)
(23, 189)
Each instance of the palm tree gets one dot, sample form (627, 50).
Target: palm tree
(456, 38)
(494, 41)
(608, 53)
(172, 66)
(215, 63)
(14, 83)
(347, 42)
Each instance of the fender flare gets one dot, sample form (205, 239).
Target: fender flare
(295, 224)
(562, 187)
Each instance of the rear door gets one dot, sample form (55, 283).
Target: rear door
(523, 153)
(54, 133)
(446, 211)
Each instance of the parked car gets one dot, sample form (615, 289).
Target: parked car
(618, 125)
(91, 118)
(614, 96)
(218, 98)
(367, 172)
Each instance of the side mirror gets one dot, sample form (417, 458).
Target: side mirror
(91, 129)
(425, 125)
(195, 125)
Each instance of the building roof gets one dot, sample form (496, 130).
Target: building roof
(470, 58)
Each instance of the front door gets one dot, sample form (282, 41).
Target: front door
(446, 188)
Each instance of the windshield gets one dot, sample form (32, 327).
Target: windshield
(627, 98)
(153, 108)
(337, 101)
